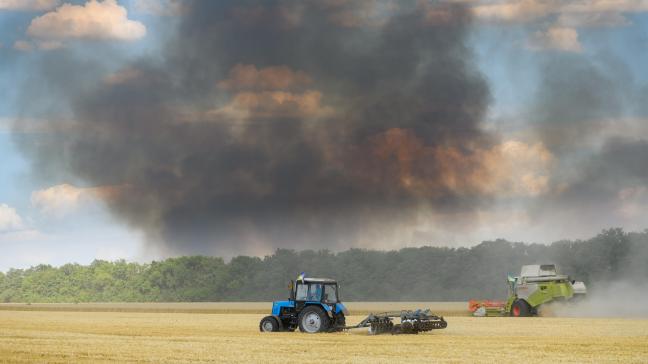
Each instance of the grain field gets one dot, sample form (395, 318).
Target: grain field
(158, 337)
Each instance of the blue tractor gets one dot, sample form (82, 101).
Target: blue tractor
(314, 306)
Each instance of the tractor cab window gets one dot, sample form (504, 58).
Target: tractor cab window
(314, 292)
(308, 292)
(302, 292)
(330, 293)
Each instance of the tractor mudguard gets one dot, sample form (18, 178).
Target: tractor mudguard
(325, 307)
(281, 326)
(340, 307)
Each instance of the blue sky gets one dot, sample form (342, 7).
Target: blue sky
(73, 236)
(510, 51)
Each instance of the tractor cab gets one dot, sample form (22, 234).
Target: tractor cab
(315, 290)
(313, 306)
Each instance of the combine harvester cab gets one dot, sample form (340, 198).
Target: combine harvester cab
(314, 306)
(536, 285)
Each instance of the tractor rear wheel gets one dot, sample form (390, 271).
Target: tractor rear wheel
(313, 319)
(339, 322)
(268, 324)
(520, 309)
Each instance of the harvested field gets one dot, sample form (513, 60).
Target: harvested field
(62, 337)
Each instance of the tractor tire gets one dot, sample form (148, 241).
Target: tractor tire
(520, 309)
(269, 324)
(340, 322)
(313, 319)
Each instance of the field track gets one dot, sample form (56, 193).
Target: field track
(160, 337)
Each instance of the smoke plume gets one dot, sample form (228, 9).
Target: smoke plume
(589, 112)
(281, 124)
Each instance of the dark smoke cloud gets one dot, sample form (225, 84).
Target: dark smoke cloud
(577, 96)
(617, 172)
(588, 111)
(280, 123)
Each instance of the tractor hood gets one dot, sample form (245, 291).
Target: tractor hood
(278, 305)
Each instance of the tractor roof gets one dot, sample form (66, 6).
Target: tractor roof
(319, 280)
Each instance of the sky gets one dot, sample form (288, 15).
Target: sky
(144, 129)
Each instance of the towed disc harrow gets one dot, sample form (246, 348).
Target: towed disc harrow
(411, 322)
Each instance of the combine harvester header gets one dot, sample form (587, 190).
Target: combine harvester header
(536, 285)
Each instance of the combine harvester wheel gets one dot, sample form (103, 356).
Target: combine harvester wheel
(520, 309)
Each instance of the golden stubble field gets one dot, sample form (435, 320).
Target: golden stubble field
(162, 337)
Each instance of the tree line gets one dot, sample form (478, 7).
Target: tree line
(408, 274)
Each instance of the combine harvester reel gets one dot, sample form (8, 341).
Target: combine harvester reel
(411, 322)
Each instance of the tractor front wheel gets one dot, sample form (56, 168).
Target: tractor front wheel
(520, 309)
(269, 324)
(313, 319)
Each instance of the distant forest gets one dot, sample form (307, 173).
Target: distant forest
(409, 274)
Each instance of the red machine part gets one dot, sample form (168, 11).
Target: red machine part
(473, 305)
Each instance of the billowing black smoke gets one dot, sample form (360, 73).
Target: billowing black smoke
(279, 124)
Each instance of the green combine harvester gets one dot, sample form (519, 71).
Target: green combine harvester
(536, 285)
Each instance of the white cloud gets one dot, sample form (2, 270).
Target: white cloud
(23, 46)
(513, 10)
(556, 38)
(159, 7)
(49, 45)
(588, 6)
(531, 10)
(593, 20)
(28, 5)
(566, 17)
(95, 20)
(61, 200)
(28, 46)
(9, 219)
